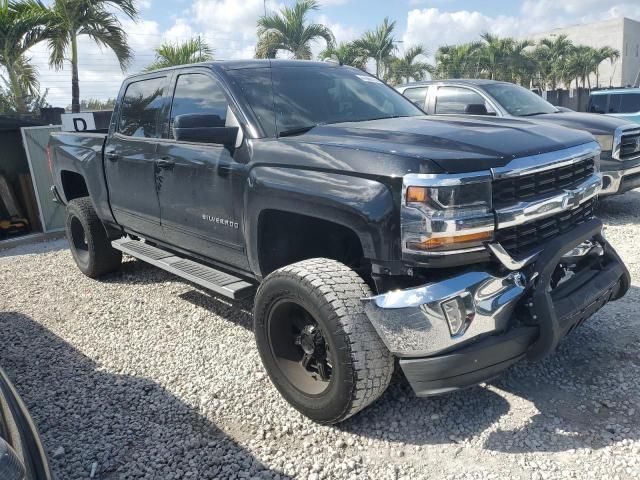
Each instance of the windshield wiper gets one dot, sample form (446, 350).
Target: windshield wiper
(297, 130)
(534, 113)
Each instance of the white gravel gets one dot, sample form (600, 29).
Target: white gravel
(142, 376)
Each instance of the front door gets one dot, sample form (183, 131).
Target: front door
(200, 184)
(130, 158)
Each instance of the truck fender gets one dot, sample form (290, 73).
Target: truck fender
(83, 156)
(365, 206)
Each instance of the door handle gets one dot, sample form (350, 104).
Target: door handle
(111, 155)
(165, 163)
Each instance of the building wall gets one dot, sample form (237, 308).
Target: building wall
(630, 52)
(622, 34)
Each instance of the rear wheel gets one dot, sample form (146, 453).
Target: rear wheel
(317, 345)
(88, 240)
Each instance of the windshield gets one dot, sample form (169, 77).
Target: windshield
(315, 95)
(519, 101)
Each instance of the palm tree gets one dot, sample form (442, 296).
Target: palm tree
(21, 27)
(171, 54)
(458, 61)
(69, 19)
(521, 65)
(495, 54)
(288, 30)
(346, 54)
(557, 51)
(602, 54)
(379, 44)
(405, 68)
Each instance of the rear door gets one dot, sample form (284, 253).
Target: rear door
(200, 185)
(131, 154)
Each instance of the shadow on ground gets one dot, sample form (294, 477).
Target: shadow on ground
(576, 392)
(620, 209)
(132, 427)
(587, 395)
(34, 247)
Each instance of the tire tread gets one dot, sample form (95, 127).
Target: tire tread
(342, 290)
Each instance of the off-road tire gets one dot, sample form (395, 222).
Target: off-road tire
(96, 257)
(332, 293)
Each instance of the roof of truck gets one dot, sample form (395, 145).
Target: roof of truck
(615, 90)
(467, 81)
(250, 63)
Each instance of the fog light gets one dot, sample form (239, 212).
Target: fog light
(456, 314)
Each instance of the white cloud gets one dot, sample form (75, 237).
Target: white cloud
(433, 27)
(333, 2)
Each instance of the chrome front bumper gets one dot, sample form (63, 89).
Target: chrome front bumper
(612, 180)
(412, 322)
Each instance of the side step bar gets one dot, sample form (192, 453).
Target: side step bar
(219, 282)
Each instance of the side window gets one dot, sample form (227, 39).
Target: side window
(416, 95)
(624, 103)
(199, 94)
(598, 103)
(139, 109)
(455, 100)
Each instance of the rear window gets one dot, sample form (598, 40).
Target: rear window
(417, 95)
(140, 106)
(455, 100)
(624, 103)
(598, 103)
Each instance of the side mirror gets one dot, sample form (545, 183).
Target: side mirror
(204, 129)
(476, 109)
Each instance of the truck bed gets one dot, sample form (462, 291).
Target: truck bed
(80, 153)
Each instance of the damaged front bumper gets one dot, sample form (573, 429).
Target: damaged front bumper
(466, 329)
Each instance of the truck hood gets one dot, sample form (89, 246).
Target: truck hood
(591, 122)
(455, 144)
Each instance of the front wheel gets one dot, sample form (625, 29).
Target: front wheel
(316, 343)
(88, 240)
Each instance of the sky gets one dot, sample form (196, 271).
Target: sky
(229, 26)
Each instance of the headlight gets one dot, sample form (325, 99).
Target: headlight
(606, 145)
(441, 213)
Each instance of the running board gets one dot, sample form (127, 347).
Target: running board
(219, 282)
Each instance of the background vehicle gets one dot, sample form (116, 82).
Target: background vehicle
(456, 246)
(22, 456)
(619, 139)
(623, 103)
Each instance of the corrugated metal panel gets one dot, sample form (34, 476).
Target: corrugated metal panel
(35, 141)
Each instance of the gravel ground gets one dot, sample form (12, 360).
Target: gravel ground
(142, 376)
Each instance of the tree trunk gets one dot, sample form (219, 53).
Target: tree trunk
(75, 83)
(16, 89)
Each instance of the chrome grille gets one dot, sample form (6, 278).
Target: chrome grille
(523, 239)
(509, 190)
(630, 145)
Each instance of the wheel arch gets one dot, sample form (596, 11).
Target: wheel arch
(361, 206)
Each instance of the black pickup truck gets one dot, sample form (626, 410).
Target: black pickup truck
(368, 233)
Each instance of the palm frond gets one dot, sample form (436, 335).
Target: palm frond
(171, 54)
(289, 30)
